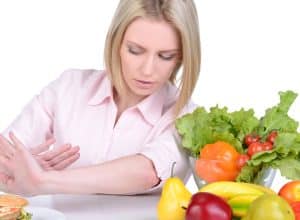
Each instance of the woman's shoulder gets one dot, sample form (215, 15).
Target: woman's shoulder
(82, 75)
(79, 82)
(81, 78)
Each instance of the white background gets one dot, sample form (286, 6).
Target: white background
(250, 49)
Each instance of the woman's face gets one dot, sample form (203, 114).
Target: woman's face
(149, 53)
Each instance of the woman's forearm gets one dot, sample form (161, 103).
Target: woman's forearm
(121, 176)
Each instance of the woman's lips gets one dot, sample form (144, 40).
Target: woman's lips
(143, 84)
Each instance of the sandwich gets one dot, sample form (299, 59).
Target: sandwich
(12, 208)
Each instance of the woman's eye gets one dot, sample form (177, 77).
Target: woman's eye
(166, 57)
(134, 51)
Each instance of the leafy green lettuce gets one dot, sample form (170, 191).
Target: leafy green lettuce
(24, 215)
(204, 127)
(276, 118)
(201, 127)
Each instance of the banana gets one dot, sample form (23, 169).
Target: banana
(240, 204)
(228, 189)
(262, 188)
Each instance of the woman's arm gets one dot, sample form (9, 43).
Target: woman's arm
(125, 175)
(131, 174)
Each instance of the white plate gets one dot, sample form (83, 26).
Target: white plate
(41, 213)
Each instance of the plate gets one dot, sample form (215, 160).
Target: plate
(42, 213)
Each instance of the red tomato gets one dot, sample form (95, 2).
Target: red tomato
(296, 209)
(251, 138)
(259, 147)
(290, 191)
(255, 148)
(267, 146)
(242, 160)
(272, 136)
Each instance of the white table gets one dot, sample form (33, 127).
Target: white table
(109, 207)
(106, 207)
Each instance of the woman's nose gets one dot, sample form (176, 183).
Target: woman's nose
(148, 65)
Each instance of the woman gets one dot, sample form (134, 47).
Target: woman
(122, 118)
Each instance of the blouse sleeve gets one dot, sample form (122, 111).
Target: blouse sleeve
(163, 151)
(35, 122)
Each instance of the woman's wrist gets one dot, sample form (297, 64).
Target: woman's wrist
(45, 183)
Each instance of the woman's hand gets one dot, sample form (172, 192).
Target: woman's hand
(56, 159)
(25, 173)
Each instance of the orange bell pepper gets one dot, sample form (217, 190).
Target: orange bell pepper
(217, 162)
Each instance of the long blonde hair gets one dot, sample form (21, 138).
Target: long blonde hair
(182, 15)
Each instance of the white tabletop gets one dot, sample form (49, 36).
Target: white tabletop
(108, 207)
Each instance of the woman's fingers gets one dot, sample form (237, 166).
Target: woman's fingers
(42, 147)
(66, 162)
(17, 143)
(58, 158)
(6, 148)
(49, 155)
(44, 164)
(64, 155)
(3, 178)
(4, 163)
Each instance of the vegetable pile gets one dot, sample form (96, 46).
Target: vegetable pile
(271, 141)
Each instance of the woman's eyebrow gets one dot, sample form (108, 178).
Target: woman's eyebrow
(161, 51)
(135, 44)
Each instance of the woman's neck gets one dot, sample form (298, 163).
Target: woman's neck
(124, 102)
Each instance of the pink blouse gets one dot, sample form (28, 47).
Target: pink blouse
(78, 108)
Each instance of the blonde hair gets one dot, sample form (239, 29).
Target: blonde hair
(182, 15)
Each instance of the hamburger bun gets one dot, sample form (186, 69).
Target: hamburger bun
(9, 200)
